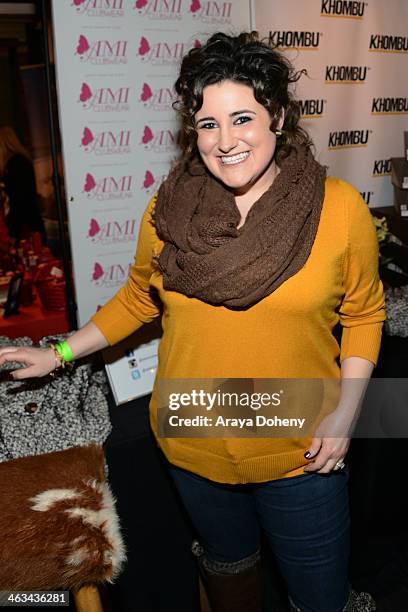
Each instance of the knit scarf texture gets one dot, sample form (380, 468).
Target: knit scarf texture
(206, 257)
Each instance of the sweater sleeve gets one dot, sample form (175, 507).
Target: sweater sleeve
(362, 310)
(133, 305)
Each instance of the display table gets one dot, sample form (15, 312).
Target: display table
(35, 322)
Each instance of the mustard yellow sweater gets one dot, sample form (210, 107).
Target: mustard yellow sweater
(286, 335)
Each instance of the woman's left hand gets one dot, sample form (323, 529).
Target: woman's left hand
(331, 440)
(325, 449)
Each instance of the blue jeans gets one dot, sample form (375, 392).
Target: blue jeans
(305, 519)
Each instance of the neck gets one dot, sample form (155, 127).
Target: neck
(247, 197)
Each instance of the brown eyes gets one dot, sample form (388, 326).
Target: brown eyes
(210, 125)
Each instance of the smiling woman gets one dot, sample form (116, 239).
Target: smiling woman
(252, 256)
(234, 102)
(240, 131)
(244, 60)
(235, 141)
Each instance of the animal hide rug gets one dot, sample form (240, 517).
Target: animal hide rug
(58, 523)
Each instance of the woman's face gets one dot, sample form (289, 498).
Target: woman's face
(234, 137)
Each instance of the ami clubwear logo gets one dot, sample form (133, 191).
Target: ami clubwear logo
(106, 142)
(108, 187)
(348, 139)
(294, 39)
(99, 8)
(104, 99)
(102, 52)
(164, 53)
(382, 167)
(343, 8)
(389, 106)
(312, 109)
(157, 99)
(112, 232)
(211, 11)
(152, 182)
(160, 140)
(353, 75)
(159, 9)
(387, 43)
(113, 275)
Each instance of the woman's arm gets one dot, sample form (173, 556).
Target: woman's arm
(361, 316)
(332, 439)
(42, 361)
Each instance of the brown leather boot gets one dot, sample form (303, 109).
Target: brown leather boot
(231, 587)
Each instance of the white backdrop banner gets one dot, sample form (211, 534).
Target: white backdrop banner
(355, 98)
(116, 64)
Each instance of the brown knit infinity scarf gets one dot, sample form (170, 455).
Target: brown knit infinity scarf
(205, 256)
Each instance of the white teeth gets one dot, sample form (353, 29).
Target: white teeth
(234, 159)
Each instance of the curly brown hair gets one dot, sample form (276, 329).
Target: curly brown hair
(243, 59)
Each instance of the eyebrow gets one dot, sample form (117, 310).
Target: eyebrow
(234, 114)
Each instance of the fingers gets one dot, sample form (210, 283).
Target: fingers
(13, 354)
(8, 349)
(323, 465)
(329, 455)
(330, 466)
(31, 359)
(4, 351)
(28, 372)
(314, 448)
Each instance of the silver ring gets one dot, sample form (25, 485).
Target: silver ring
(339, 465)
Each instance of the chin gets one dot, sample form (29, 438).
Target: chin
(232, 182)
(232, 185)
(237, 185)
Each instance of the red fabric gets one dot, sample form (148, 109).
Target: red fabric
(4, 235)
(35, 322)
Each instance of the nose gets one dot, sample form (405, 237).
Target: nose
(227, 139)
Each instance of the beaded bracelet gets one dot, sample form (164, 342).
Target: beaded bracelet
(65, 351)
(63, 354)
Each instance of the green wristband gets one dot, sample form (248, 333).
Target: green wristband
(65, 351)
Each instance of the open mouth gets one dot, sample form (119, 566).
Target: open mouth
(231, 160)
